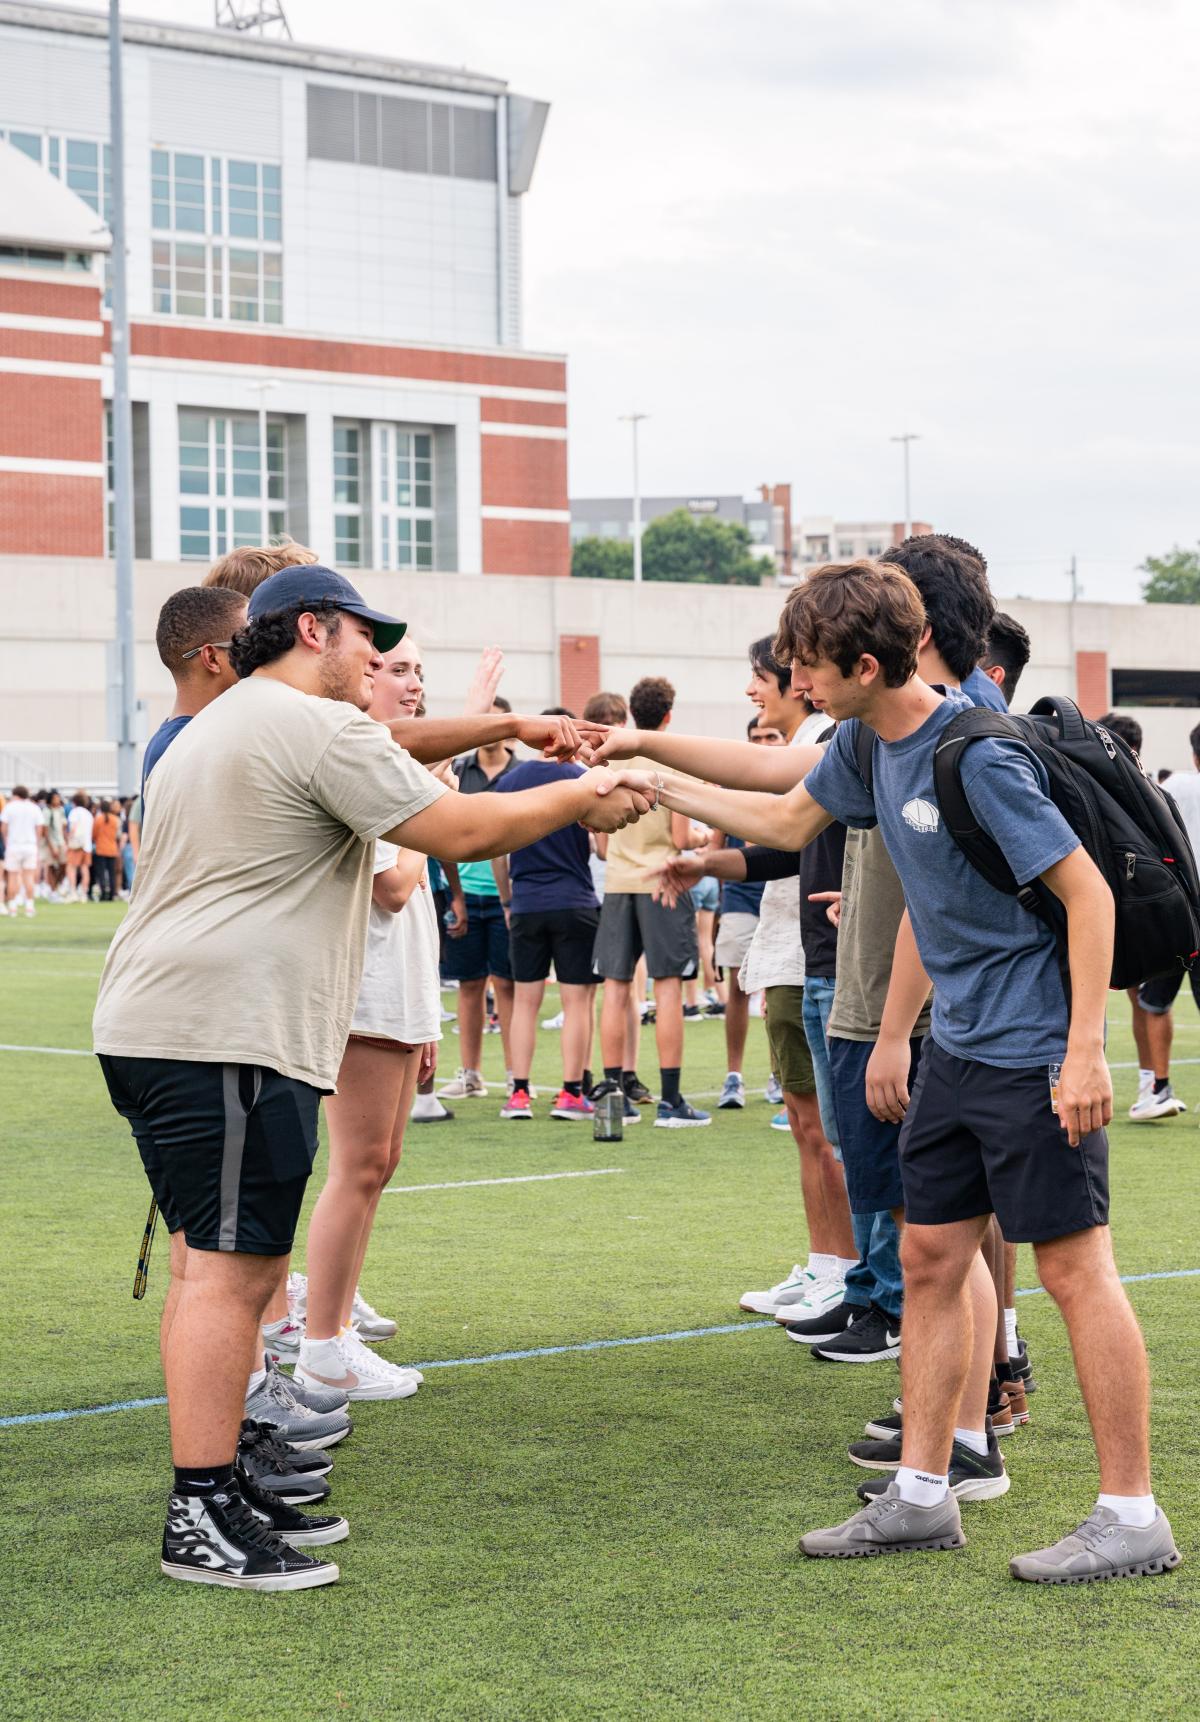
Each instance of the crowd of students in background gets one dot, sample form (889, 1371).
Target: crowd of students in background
(84, 850)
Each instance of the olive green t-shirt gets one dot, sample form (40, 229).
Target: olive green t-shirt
(872, 907)
(245, 936)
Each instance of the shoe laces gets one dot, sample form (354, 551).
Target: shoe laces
(250, 1526)
(282, 1395)
(264, 1440)
(363, 1309)
(363, 1360)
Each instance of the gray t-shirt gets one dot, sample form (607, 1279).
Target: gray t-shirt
(998, 995)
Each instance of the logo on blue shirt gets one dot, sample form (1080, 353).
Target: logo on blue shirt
(920, 815)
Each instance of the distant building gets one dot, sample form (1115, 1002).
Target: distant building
(819, 538)
(768, 519)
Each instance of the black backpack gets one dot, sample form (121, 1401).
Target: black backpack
(1128, 825)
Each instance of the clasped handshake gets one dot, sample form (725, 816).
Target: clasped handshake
(622, 797)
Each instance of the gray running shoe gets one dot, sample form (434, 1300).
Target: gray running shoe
(1102, 1548)
(274, 1402)
(889, 1526)
(323, 1399)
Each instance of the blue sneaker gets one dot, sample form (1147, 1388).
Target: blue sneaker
(681, 1116)
(780, 1122)
(733, 1093)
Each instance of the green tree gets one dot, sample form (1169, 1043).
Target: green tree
(711, 551)
(602, 559)
(1174, 578)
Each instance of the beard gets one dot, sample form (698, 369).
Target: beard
(342, 679)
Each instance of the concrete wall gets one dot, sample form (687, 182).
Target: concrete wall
(59, 614)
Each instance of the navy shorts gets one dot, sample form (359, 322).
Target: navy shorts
(564, 937)
(870, 1149)
(227, 1148)
(979, 1139)
(483, 948)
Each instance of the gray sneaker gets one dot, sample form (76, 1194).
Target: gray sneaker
(323, 1399)
(1102, 1548)
(274, 1402)
(889, 1526)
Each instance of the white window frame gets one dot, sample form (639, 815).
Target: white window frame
(224, 513)
(402, 513)
(351, 511)
(197, 230)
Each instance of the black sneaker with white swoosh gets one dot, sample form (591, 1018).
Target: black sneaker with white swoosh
(874, 1337)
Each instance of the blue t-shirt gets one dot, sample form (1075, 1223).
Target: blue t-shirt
(552, 873)
(740, 896)
(158, 744)
(998, 996)
(981, 690)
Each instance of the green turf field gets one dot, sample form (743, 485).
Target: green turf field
(600, 1534)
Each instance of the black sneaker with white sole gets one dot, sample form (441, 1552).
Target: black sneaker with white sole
(819, 1329)
(637, 1091)
(298, 1530)
(219, 1539)
(884, 1428)
(973, 1476)
(872, 1338)
(267, 1462)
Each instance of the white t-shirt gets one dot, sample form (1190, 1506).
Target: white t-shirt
(400, 996)
(79, 829)
(22, 820)
(1184, 789)
(776, 954)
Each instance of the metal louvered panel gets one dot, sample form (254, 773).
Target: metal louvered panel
(404, 135)
(474, 143)
(440, 159)
(368, 130)
(331, 133)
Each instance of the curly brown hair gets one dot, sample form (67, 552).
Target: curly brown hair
(650, 702)
(847, 609)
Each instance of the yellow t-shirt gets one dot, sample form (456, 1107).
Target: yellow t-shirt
(245, 937)
(635, 852)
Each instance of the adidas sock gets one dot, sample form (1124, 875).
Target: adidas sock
(202, 1479)
(575, 1088)
(921, 1488)
(321, 1356)
(1010, 1334)
(257, 1377)
(1135, 1510)
(975, 1439)
(612, 1073)
(670, 1084)
(520, 1085)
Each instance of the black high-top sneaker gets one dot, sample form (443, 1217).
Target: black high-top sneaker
(219, 1539)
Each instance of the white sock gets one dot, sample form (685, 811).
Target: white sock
(257, 1377)
(975, 1439)
(1136, 1510)
(843, 1264)
(730, 1073)
(1145, 1079)
(321, 1356)
(821, 1266)
(1010, 1334)
(921, 1488)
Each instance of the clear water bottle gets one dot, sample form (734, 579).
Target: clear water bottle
(608, 1119)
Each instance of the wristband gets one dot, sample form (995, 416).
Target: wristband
(659, 786)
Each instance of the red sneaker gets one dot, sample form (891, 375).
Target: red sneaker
(570, 1105)
(517, 1105)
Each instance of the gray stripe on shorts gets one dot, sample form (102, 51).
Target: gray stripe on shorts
(231, 1156)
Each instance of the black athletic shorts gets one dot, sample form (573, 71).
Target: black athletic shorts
(227, 1148)
(1158, 996)
(981, 1140)
(633, 924)
(564, 937)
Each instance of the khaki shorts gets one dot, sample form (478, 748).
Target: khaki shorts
(734, 933)
(791, 1059)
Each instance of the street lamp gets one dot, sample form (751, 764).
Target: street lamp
(634, 420)
(908, 437)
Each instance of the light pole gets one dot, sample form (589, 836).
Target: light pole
(908, 437)
(634, 420)
(126, 712)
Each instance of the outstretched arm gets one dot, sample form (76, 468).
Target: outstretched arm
(738, 764)
(477, 827)
(431, 739)
(779, 821)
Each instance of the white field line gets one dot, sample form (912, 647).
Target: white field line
(476, 1183)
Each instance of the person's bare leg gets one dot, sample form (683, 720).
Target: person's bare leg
(1160, 1032)
(985, 1312)
(614, 1027)
(1010, 1276)
(178, 1269)
(992, 1250)
(737, 1024)
(471, 996)
(217, 1315)
(1141, 1038)
(591, 1029)
(633, 1029)
(522, 1032)
(361, 1118)
(576, 1030)
(935, 1359)
(822, 1184)
(503, 991)
(668, 1021)
(1110, 1355)
(403, 1107)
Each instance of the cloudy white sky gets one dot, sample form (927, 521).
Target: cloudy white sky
(789, 229)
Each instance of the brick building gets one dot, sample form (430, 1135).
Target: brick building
(325, 283)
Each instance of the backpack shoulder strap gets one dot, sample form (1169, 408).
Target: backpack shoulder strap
(981, 850)
(864, 755)
(1065, 713)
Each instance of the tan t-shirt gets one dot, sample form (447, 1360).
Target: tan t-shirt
(636, 851)
(245, 937)
(872, 905)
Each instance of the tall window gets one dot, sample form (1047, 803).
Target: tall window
(228, 493)
(348, 538)
(223, 257)
(84, 164)
(403, 470)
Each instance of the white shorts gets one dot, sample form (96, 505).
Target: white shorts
(21, 859)
(734, 933)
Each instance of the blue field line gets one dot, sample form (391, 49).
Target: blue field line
(547, 1351)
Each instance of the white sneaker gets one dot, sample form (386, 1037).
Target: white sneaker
(282, 1339)
(773, 1092)
(467, 1085)
(359, 1373)
(788, 1291)
(553, 1021)
(825, 1292)
(297, 1296)
(428, 1109)
(368, 1322)
(1151, 1105)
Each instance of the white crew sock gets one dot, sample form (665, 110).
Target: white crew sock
(843, 1264)
(730, 1073)
(1135, 1510)
(921, 1488)
(321, 1356)
(1145, 1079)
(821, 1266)
(975, 1439)
(257, 1377)
(1010, 1334)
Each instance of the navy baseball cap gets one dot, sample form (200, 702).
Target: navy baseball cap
(321, 587)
